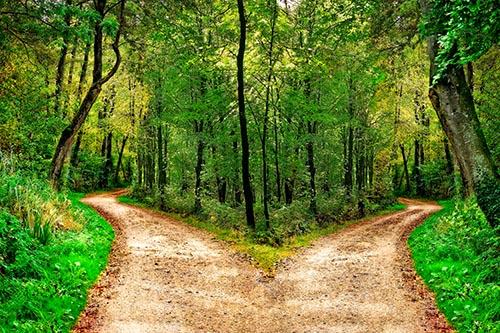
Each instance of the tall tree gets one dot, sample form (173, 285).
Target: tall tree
(450, 92)
(98, 80)
(245, 147)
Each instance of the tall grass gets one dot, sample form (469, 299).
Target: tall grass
(52, 249)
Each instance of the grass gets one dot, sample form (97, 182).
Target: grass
(43, 288)
(265, 256)
(457, 254)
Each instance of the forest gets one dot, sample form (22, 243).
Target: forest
(248, 137)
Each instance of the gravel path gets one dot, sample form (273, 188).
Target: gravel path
(165, 276)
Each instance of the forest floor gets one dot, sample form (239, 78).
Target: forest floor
(166, 276)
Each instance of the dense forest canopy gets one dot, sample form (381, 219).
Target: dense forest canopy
(325, 111)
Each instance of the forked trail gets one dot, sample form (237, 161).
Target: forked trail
(165, 276)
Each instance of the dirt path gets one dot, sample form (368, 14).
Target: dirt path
(165, 276)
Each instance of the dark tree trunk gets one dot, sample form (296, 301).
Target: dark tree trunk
(276, 158)
(349, 147)
(162, 174)
(199, 166)
(69, 133)
(245, 147)
(76, 150)
(452, 99)
(265, 171)
(311, 128)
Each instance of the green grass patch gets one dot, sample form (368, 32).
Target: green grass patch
(457, 254)
(265, 256)
(43, 288)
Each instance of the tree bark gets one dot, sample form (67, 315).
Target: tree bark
(69, 133)
(452, 100)
(245, 149)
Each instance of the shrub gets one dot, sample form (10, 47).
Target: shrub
(457, 254)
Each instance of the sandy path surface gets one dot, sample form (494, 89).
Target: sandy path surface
(165, 276)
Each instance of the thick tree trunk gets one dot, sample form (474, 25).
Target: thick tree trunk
(69, 133)
(452, 99)
(449, 159)
(245, 148)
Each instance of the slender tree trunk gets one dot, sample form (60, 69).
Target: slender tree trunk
(419, 184)
(452, 99)
(312, 168)
(120, 157)
(349, 146)
(70, 74)
(245, 147)
(406, 172)
(81, 82)
(265, 171)
(236, 180)
(69, 133)
(108, 165)
(199, 166)
(276, 158)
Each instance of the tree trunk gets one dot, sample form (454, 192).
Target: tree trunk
(419, 184)
(349, 147)
(311, 129)
(69, 133)
(406, 172)
(452, 100)
(449, 159)
(245, 148)
(120, 157)
(276, 157)
(199, 166)
(236, 180)
(108, 165)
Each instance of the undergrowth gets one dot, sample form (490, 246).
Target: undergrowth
(457, 254)
(52, 249)
(265, 254)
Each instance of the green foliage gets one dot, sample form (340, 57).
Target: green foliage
(465, 30)
(43, 287)
(457, 254)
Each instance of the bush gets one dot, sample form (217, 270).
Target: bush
(43, 288)
(456, 253)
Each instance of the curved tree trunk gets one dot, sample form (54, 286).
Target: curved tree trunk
(69, 133)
